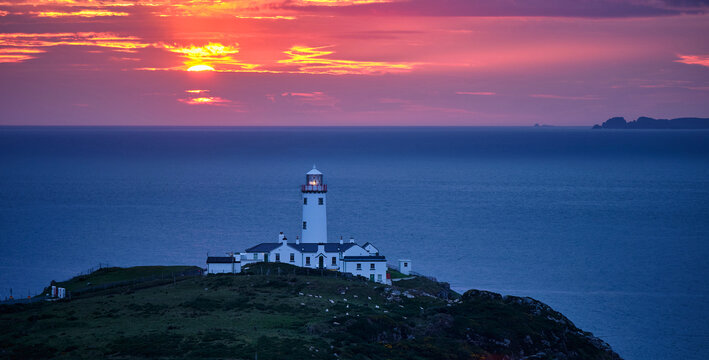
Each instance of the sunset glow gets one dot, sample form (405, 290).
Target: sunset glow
(353, 62)
(201, 68)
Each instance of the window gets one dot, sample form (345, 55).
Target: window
(334, 261)
(305, 201)
(321, 201)
(371, 266)
(406, 264)
(292, 257)
(359, 266)
(278, 257)
(305, 225)
(255, 256)
(379, 278)
(307, 260)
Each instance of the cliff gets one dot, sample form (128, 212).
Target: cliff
(650, 123)
(276, 311)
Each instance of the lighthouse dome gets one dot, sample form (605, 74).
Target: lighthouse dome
(314, 171)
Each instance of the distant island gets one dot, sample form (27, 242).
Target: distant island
(644, 122)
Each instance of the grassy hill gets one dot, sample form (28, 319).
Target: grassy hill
(276, 311)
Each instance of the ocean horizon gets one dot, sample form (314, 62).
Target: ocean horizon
(607, 227)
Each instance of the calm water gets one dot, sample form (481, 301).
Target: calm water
(608, 227)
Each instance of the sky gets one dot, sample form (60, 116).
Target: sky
(351, 62)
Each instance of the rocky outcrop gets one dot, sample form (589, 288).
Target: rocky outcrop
(644, 122)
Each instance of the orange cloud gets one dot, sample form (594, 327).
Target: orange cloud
(4, 13)
(214, 55)
(82, 13)
(196, 91)
(29, 43)
(206, 100)
(702, 60)
(275, 17)
(11, 55)
(311, 60)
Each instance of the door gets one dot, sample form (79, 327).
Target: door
(265, 257)
(321, 262)
(371, 277)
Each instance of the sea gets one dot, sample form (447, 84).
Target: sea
(609, 227)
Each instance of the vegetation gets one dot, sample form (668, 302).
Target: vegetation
(276, 311)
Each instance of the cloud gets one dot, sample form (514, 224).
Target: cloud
(487, 8)
(315, 98)
(13, 45)
(201, 97)
(313, 60)
(564, 97)
(82, 13)
(702, 60)
(482, 93)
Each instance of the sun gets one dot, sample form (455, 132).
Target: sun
(201, 68)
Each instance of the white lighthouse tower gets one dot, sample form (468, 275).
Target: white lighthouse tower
(314, 205)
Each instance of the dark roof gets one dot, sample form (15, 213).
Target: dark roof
(302, 247)
(368, 243)
(329, 247)
(220, 260)
(263, 247)
(364, 258)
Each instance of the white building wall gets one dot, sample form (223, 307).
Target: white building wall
(379, 272)
(355, 251)
(315, 218)
(405, 266)
(285, 251)
(219, 268)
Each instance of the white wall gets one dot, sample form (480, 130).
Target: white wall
(379, 272)
(218, 268)
(405, 267)
(285, 251)
(355, 251)
(315, 216)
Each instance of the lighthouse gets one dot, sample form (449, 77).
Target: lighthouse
(314, 205)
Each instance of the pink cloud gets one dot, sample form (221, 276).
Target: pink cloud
(564, 97)
(702, 60)
(482, 93)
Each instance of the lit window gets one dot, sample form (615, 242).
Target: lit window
(307, 260)
(292, 257)
(278, 257)
(371, 266)
(334, 261)
(359, 266)
(321, 201)
(305, 225)
(305, 201)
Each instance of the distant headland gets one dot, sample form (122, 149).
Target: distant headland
(644, 122)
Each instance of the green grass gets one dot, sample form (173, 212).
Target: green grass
(116, 274)
(275, 317)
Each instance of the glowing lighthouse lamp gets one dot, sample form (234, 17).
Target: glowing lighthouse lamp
(314, 208)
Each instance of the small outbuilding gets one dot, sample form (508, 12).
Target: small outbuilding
(223, 265)
(405, 266)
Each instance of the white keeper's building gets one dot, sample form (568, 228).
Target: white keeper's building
(312, 249)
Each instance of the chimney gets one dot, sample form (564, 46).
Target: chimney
(341, 241)
(281, 236)
(351, 239)
(297, 240)
(284, 240)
